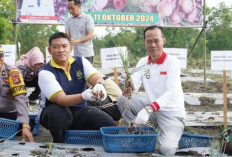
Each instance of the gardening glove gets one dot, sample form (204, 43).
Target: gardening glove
(99, 92)
(88, 95)
(143, 115)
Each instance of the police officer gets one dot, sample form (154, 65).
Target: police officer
(13, 99)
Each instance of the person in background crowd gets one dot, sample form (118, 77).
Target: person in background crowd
(13, 97)
(29, 65)
(163, 103)
(80, 28)
(63, 83)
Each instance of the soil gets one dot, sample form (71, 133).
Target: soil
(207, 104)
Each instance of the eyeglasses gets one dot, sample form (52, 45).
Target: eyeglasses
(1, 54)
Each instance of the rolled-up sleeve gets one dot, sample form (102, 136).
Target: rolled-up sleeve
(48, 84)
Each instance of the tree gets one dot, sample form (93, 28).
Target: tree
(219, 31)
(6, 28)
(34, 36)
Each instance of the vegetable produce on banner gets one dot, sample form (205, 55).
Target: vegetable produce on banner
(181, 13)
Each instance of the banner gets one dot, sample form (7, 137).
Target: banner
(181, 13)
(42, 11)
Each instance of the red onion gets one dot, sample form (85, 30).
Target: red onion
(194, 16)
(148, 6)
(166, 7)
(101, 4)
(119, 4)
(176, 17)
(186, 6)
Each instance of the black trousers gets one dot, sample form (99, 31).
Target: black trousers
(57, 119)
(109, 107)
(33, 83)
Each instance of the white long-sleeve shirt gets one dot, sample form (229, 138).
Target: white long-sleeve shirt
(162, 84)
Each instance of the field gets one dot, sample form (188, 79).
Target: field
(207, 104)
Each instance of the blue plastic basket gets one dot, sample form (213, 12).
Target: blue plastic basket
(8, 128)
(36, 127)
(117, 139)
(189, 140)
(87, 137)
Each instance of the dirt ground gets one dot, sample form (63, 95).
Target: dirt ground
(207, 105)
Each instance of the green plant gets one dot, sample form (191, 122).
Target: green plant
(4, 140)
(128, 85)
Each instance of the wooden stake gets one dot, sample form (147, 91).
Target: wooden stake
(225, 98)
(115, 76)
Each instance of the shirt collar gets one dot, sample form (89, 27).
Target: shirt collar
(160, 60)
(54, 64)
(81, 14)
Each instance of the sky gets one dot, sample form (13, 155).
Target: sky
(214, 3)
(100, 31)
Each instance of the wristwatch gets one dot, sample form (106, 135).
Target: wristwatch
(149, 109)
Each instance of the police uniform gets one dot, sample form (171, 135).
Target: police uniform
(13, 97)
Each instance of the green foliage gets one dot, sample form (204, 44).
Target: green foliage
(6, 15)
(7, 9)
(34, 36)
(219, 28)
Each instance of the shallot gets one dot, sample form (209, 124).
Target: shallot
(176, 17)
(148, 5)
(119, 4)
(165, 8)
(101, 4)
(186, 6)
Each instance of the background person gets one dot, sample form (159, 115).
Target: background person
(13, 99)
(163, 103)
(63, 83)
(29, 65)
(80, 28)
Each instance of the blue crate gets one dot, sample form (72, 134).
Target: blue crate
(8, 128)
(189, 140)
(117, 139)
(35, 130)
(88, 137)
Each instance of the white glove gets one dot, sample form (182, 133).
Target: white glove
(88, 95)
(142, 117)
(99, 92)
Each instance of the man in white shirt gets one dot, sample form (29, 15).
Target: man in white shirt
(163, 103)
